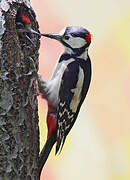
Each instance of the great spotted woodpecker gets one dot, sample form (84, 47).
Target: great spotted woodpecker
(23, 26)
(67, 87)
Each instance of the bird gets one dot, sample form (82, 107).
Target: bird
(23, 26)
(66, 90)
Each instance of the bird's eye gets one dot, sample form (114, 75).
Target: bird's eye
(66, 37)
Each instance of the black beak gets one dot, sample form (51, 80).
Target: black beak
(52, 36)
(34, 32)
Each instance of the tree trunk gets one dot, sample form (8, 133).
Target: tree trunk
(19, 131)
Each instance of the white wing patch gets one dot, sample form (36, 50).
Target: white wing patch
(77, 91)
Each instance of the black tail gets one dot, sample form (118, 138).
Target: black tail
(46, 151)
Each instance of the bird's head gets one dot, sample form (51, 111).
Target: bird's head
(75, 38)
(23, 26)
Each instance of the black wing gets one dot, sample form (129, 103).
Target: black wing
(71, 95)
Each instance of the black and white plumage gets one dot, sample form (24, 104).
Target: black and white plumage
(75, 84)
(68, 86)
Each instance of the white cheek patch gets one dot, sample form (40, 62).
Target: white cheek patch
(76, 42)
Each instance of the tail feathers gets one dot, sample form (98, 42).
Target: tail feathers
(60, 144)
(46, 151)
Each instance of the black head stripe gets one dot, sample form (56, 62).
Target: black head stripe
(81, 35)
(65, 44)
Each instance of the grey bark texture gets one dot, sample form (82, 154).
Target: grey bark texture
(19, 131)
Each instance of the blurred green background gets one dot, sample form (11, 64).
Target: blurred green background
(98, 146)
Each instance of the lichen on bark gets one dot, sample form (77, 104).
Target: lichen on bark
(19, 132)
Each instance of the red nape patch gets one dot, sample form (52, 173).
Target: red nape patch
(88, 37)
(25, 19)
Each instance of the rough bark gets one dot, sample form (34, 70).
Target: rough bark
(19, 132)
